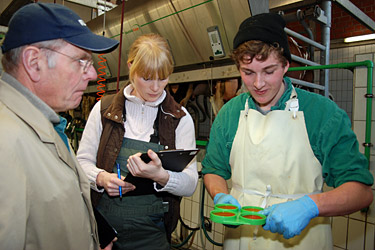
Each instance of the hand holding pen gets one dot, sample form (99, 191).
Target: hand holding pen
(112, 182)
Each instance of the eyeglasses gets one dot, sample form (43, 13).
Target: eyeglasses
(85, 64)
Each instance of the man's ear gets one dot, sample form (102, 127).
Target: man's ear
(286, 67)
(31, 59)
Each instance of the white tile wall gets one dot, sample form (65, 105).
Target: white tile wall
(371, 211)
(356, 234)
(370, 233)
(339, 231)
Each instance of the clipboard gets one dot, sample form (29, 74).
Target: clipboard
(105, 231)
(175, 160)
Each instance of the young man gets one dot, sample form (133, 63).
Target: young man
(47, 65)
(279, 144)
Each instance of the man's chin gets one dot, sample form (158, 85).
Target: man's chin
(76, 103)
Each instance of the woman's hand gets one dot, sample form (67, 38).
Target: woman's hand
(152, 170)
(111, 183)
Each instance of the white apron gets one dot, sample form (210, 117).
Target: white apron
(272, 162)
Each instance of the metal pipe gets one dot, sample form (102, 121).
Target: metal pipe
(326, 38)
(307, 84)
(304, 61)
(304, 39)
(369, 97)
(311, 36)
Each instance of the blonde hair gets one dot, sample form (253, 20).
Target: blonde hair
(150, 57)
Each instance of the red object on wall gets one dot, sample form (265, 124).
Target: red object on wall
(101, 84)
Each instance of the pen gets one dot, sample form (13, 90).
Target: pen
(119, 176)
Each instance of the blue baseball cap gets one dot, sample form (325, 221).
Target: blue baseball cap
(38, 22)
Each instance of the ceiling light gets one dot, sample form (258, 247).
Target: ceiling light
(359, 38)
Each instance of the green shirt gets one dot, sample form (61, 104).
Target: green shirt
(329, 131)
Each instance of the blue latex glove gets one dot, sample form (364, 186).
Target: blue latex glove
(222, 198)
(291, 217)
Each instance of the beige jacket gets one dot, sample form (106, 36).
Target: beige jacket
(45, 195)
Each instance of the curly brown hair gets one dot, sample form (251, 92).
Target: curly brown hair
(259, 50)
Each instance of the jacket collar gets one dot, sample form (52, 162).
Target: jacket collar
(115, 110)
(40, 121)
(36, 101)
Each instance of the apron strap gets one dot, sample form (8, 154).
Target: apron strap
(292, 104)
(268, 193)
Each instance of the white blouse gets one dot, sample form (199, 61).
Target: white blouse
(140, 117)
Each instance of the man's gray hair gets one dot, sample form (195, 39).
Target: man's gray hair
(11, 59)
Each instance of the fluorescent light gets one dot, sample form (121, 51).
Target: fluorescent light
(359, 38)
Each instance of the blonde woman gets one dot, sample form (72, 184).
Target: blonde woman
(141, 117)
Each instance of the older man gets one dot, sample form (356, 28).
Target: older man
(47, 65)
